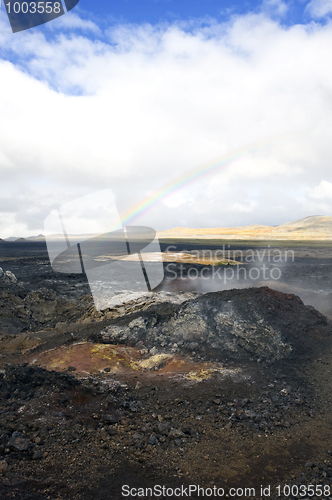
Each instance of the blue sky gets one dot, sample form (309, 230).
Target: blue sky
(131, 95)
(155, 11)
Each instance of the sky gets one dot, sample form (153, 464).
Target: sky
(194, 113)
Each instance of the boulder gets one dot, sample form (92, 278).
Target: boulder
(18, 442)
(7, 276)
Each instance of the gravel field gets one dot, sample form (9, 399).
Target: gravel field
(229, 389)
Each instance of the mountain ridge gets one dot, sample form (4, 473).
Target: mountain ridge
(313, 227)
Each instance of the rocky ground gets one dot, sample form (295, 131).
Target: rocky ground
(230, 389)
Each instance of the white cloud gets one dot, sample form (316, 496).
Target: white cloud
(319, 8)
(72, 20)
(240, 207)
(323, 190)
(275, 7)
(143, 106)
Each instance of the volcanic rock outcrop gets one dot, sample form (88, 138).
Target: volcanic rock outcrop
(257, 323)
(8, 276)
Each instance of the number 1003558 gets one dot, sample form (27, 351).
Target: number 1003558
(33, 7)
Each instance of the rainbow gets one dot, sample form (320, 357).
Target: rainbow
(191, 176)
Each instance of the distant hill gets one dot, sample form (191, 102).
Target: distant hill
(12, 238)
(315, 227)
(314, 223)
(40, 237)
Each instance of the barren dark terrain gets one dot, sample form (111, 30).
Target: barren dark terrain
(230, 388)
